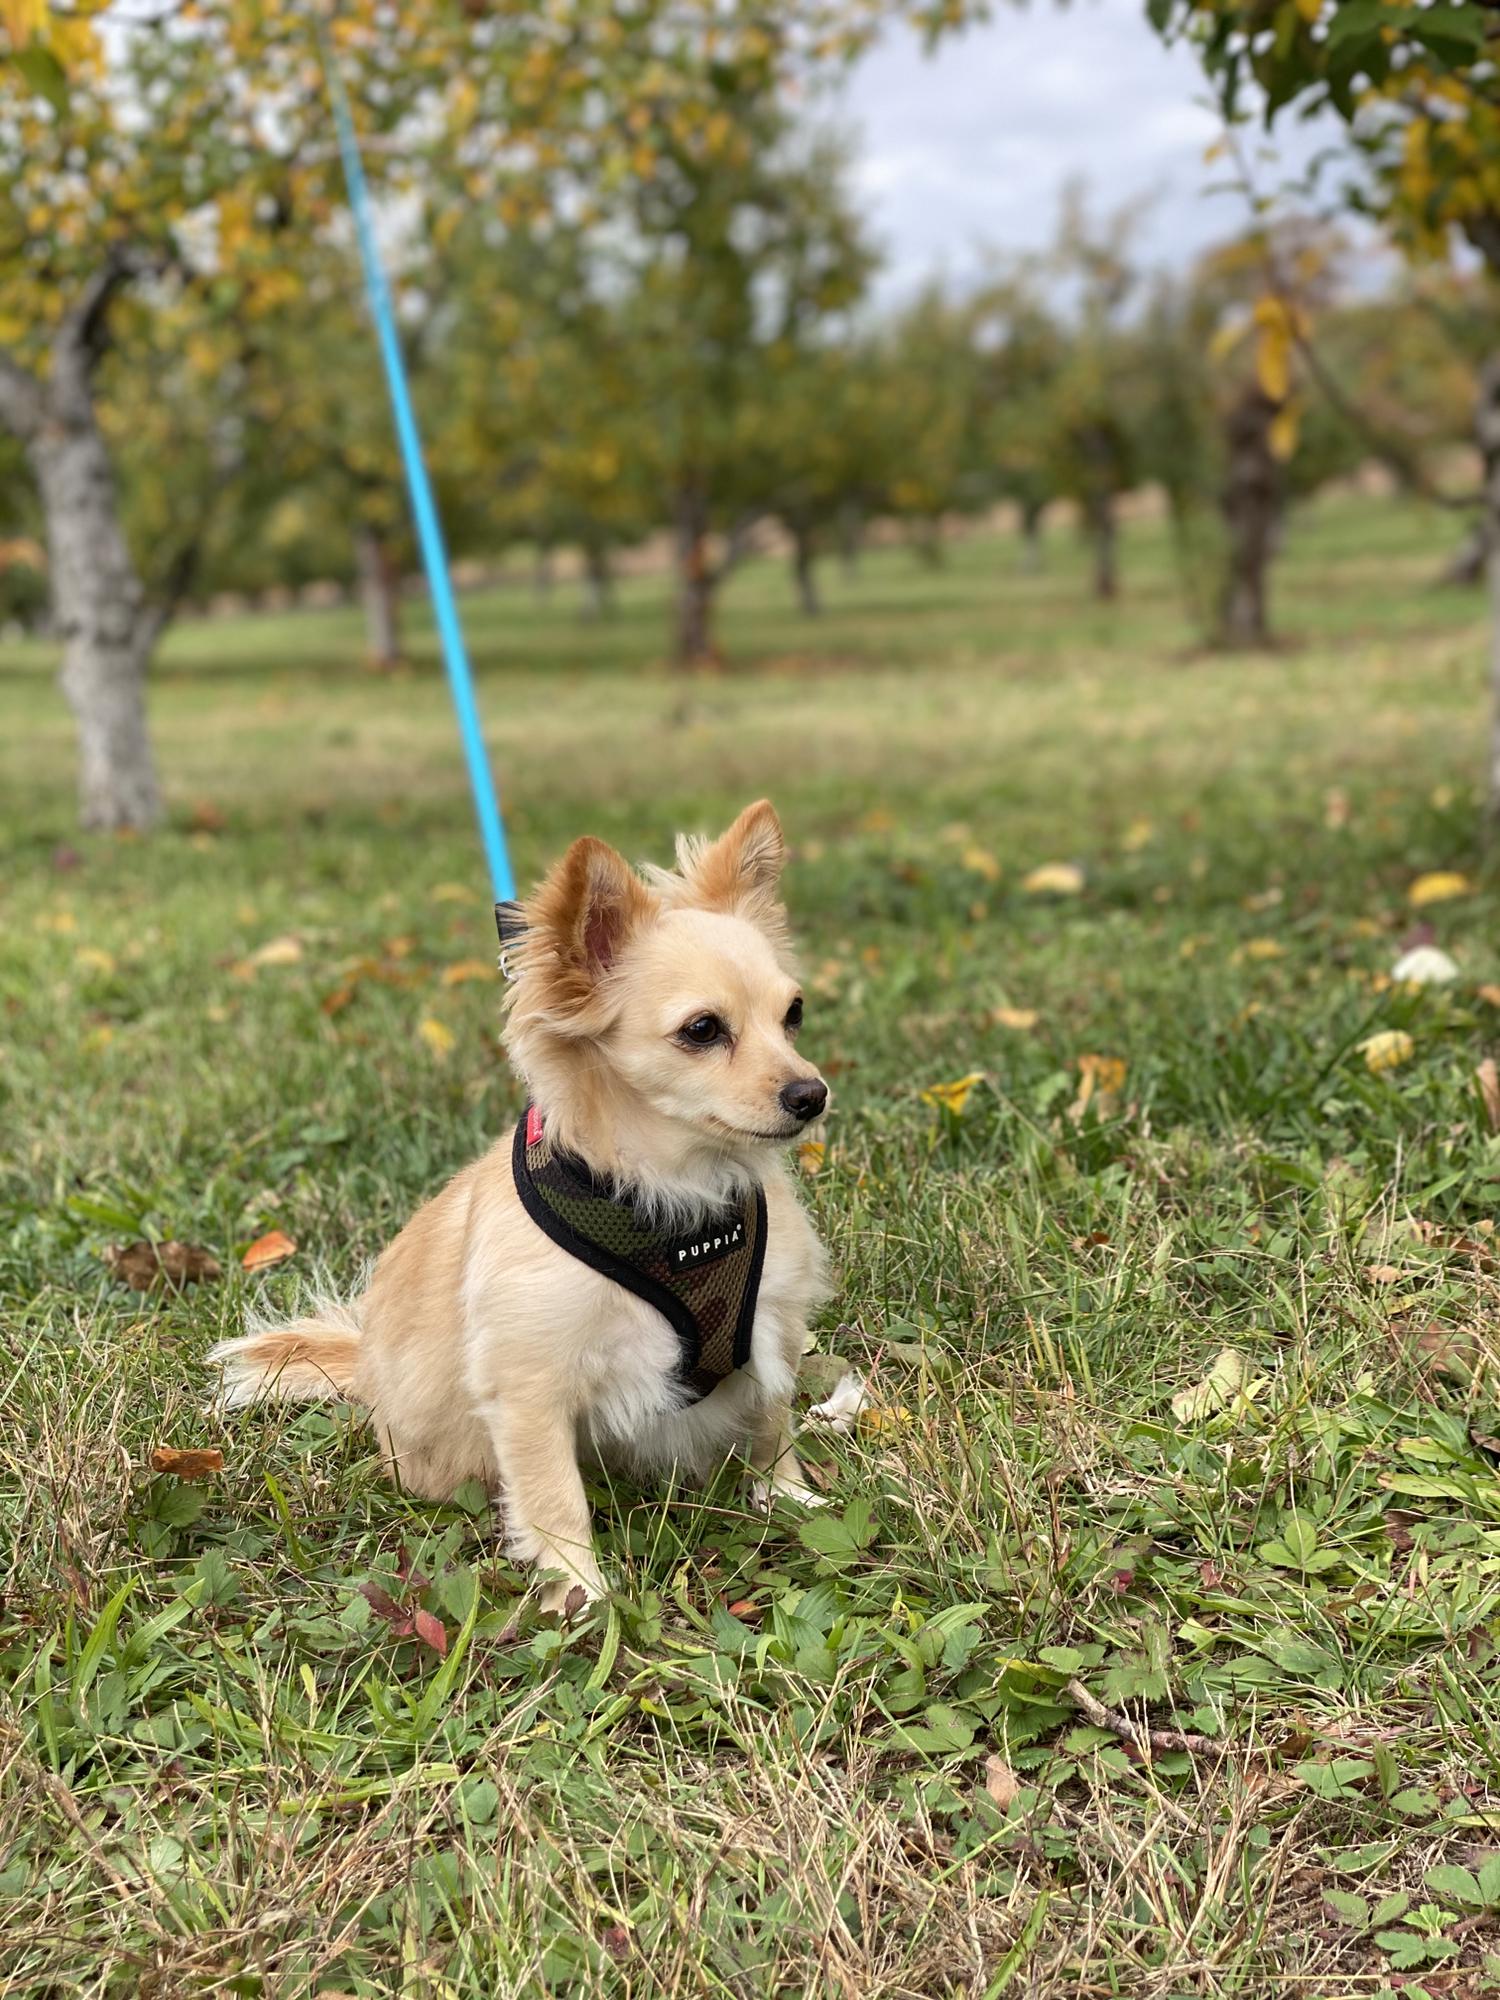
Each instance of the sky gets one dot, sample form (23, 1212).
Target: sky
(971, 146)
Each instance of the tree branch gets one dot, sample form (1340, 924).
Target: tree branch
(20, 398)
(80, 338)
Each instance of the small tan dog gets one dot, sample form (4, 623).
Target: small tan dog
(628, 1277)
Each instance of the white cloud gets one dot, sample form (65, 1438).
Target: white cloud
(969, 149)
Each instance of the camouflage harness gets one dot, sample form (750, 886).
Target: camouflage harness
(704, 1283)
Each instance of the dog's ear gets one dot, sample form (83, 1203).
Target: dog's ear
(579, 921)
(740, 871)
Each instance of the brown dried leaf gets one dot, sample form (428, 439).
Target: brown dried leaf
(1385, 1274)
(186, 1464)
(466, 969)
(382, 1603)
(272, 1248)
(145, 1266)
(1001, 1782)
(431, 1631)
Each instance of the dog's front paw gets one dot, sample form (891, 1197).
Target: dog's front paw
(766, 1492)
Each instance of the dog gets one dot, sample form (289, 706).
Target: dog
(627, 1278)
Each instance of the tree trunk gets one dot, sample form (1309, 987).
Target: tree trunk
(851, 536)
(1469, 564)
(1032, 512)
(803, 573)
(106, 632)
(380, 598)
(1487, 437)
(598, 581)
(696, 583)
(1099, 524)
(1251, 506)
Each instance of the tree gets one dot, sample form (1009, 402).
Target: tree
(1416, 89)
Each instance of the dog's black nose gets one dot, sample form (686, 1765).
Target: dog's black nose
(805, 1098)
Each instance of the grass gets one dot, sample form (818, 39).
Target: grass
(221, 1767)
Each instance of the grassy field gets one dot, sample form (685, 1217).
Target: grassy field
(861, 1753)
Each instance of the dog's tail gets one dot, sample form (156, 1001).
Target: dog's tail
(308, 1360)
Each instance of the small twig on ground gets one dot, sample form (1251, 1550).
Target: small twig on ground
(1145, 1740)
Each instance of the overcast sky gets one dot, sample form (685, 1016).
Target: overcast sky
(971, 146)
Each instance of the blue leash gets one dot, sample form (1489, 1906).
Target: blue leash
(423, 507)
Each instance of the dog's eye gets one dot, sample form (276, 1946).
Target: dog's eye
(794, 1016)
(702, 1031)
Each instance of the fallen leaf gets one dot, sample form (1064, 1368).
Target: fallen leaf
(1019, 1019)
(1424, 965)
(92, 958)
(1055, 878)
(454, 892)
(1001, 1782)
(1440, 887)
(1260, 949)
(144, 1265)
(272, 1248)
(1227, 1383)
(1137, 835)
(1490, 995)
(382, 1603)
(1100, 1081)
(1335, 809)
(277, 951)
(744, 1607)
(1385, 1274)
(953, 1096)
(1487, 1076)
(874, 1417)
(186, 1464)
(468, 968)
(811, 1154)
(1447, 1350)
(438, 1037)
(431, 1631)
(1387, 1050)
(206, 817)
(979, 861)
(877, 820)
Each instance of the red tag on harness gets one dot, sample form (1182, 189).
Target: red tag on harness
(533, 1126)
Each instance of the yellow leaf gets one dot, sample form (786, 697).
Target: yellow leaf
(21, 19)
(438, 1037)
(877, 820)
(1388, 1049)
(91, 958)
(1020, 1019)
(272, 1248)
(811, 1154)
(979, 861)
(1137, 835)
(278, 951)
(873, 1418)
(465, 969)
(1102, 1072)
(453, 892)
(1226, 1385)
(1054, 878)
(953, 1096)
(1440, 887)
(1261, 948)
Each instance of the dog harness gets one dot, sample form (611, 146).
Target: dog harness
(704, 1283)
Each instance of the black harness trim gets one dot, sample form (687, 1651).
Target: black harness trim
(705, 1284)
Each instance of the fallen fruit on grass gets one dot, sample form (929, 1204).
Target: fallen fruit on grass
(272, 1248)
(144, 1266)
(1387, 1050)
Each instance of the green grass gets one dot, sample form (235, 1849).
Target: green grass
(219, 1772)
